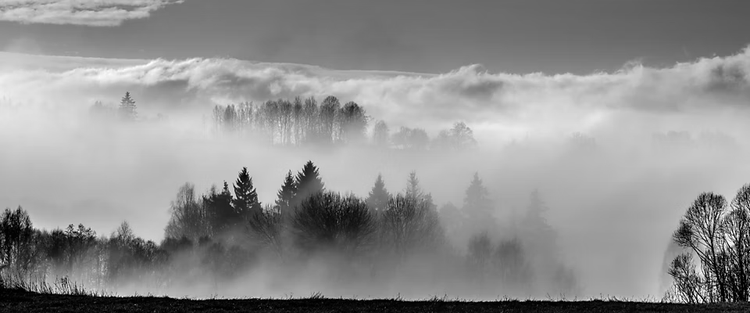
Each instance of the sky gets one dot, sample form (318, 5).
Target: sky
(524, 75)
(425, 36)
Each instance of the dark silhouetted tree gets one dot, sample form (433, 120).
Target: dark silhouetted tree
(701, 230)
(308, 182)
(266, 228)
(245, 197)
(16, 233)
(285, 196)
(222, 215)
(328, 222)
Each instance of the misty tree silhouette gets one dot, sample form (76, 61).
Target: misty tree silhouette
(127, 108)
(308, 183)
(377, 200)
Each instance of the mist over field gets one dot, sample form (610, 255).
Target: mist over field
(617, 157)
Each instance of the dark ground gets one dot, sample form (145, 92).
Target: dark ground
(22, 301)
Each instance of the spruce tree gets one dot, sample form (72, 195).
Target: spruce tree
(308, 183)
(478, 206)
(286, 195)
(378, 198)
(221, 214)
(534, 223)
(246, 198)
(128, 108)
(412, 187)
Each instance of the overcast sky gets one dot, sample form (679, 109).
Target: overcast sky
(429, 36)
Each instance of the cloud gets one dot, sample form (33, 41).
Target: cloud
(77, 12)
(516, 104)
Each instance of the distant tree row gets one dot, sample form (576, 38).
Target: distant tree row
(125, 111)
(301, 122)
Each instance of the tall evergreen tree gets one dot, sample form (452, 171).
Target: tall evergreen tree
(412, 187)
(127, 108)
(477, 201)
(286, 195)
(478, 206)
(378, 198)
(221, 214)
(246, 198)
(308, 182)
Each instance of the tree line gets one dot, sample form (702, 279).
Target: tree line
(305, 122)
(225, 232)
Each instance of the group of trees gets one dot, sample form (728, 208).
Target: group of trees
(228, 231)
(76, 252)
(715, 266)
(126, 111)
(300, 122)
(295, 122)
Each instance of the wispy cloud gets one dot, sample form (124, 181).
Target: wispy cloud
(79, 12)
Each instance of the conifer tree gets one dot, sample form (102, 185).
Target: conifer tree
(478, 206)
(378, 198)
(221, 214)
(412, 187)
(127, 108)
(286, 195)
(308, 182)
(477, 201)
(246, 198)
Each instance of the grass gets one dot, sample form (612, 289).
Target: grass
(64, 296)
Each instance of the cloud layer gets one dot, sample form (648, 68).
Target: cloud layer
(77, 12)
(516, 104)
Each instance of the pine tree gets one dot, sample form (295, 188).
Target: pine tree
(127, 108)
(308, 183)
(221, 214)
(412, 187)
(246, 198)
(286, 195)
(378, 198)
(477, 203)
(534, 223)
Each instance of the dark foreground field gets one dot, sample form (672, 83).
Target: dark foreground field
(22, 301)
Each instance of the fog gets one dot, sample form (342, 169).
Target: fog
(613, 203)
